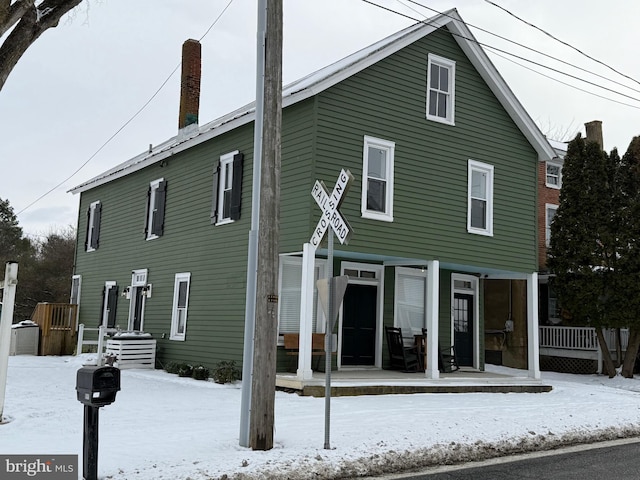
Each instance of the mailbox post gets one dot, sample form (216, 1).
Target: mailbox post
(95, 387)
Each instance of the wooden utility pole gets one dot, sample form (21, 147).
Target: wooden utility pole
(263, 389)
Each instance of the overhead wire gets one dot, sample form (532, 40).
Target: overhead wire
(487, 46)
(133, 117)
(526, 47)
(563, 42)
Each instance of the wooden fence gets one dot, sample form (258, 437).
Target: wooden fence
(58, 324)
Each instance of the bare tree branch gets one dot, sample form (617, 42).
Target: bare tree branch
(34, 21)
(13, 14)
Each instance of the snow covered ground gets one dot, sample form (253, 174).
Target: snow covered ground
(165, 427)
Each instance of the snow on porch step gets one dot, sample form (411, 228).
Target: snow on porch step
(132, 352)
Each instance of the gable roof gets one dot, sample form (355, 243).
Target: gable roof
(328, 76)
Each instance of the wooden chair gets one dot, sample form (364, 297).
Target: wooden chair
(447, 359)
(402, 358)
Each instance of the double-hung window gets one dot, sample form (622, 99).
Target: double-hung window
(156, 198)
(227, 189)
(290, 294)
(553, 175)
(377, 179)
(94, 216)
(180, 304)
(441, 73)
(409, 304)
(550, 212)
(480, 198)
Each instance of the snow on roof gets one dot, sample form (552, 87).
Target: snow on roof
(559, 147)
(330, 75)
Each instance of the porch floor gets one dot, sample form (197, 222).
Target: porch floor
(386, 382)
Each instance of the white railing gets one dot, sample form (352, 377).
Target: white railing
(100, 343)
(579, 338)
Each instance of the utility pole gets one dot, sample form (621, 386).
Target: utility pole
(263, 387)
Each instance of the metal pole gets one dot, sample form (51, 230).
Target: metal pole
(90, 443)
(6, 319)
(328, 345)
(252, 255)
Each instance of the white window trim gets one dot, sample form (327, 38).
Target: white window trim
(226, 159)
(547, 227)
(180, 277)
(488, 169)
(73, 278)
(387, 215)
(551, 185)
(92, 212)
(451, 66)
(152, 201)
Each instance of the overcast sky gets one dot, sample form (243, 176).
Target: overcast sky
(82, 81)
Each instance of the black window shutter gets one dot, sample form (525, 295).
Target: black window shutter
(95, 236)
(157, 227)
(86, 237)
(214, 195)
(236, 187)
(146, 213)
(102, 305)
(112, 303)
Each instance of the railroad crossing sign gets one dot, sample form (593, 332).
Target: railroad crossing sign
(329, 204)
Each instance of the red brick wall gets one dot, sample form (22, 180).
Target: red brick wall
(545, 195)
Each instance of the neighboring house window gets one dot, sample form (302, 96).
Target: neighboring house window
(377, 179)
(480, 198)
(157, 195)
(441, 74)
(554, 175)
(289, 296)
(109, 304)
(180, 305)
(550, 213)
(409, 305)
(94, 216)
(227, 189)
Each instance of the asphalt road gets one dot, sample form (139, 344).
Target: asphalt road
(616, 460)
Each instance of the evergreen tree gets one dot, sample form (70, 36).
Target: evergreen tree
(585, 241)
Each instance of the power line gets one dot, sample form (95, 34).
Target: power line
(563, 42)
(532, 49)
(133, 117)
(503, 51)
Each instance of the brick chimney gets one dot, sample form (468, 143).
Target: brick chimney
(190, 84)
(594, 132)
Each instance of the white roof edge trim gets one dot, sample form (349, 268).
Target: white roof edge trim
(336, 72)
(500, 88)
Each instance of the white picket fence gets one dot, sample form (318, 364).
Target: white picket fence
(579, 342)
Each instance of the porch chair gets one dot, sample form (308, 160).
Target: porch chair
(402, 358)
(447, 359)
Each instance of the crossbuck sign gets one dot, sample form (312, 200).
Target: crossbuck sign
(329, 204)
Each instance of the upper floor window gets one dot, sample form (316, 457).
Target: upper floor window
(157, 195)
(227, 188)
(550, 213)
(377, 179)
(441, 73)
(180, 304)
(554, 175)
(480, 198)
(94, 216)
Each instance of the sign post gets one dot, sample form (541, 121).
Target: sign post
(331, 217)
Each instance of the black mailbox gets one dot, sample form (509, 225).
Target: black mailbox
(97, 386)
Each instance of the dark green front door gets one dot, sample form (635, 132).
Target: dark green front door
(359, 321)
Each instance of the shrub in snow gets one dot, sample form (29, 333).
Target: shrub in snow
(226, 372)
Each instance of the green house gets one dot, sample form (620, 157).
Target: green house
(442, 206)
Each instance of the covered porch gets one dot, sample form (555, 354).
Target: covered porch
(418, 294)
(387, 382)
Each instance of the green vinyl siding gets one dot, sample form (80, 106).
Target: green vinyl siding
(387, 100)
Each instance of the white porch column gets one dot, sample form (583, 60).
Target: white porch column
(304, 371)
(433, 295)
(533, 347)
